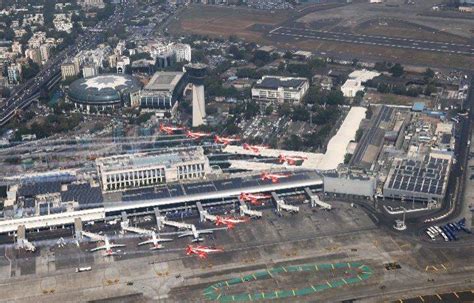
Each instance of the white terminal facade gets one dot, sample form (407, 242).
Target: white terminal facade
(280, 89)
(148, 169)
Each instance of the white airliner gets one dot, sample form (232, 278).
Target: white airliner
(108, 247)
(156, 241)
(195, 233)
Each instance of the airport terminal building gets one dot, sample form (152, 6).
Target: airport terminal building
(141, 170)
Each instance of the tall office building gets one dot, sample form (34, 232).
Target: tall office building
(196, 73)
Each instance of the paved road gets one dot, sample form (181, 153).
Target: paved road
(404, 43)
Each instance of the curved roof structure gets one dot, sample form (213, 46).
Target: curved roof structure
(105, 89)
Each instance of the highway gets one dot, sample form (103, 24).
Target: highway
(49, 75)
(383, 41)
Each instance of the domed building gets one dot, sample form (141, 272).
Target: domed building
(108, 91)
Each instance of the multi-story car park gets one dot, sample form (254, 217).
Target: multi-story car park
(162, 92)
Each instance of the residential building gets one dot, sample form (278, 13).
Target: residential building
(45, 52)
(90, 71)
(14, 73)
(68, 70)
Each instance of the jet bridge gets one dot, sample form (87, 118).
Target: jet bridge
(315, 201)
(281, 205)
(204, 215)
(245, 210)
(22, 241)
(161, 221)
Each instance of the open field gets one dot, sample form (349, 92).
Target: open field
(226, 21)
(253, 25)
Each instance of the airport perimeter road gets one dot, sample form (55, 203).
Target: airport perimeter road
(404, 43)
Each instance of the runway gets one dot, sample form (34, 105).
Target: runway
(403, 43)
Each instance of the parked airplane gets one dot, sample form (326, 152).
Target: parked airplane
(225, 140)
(196, 135)
(255, 148)
(170, 129)
(107, 247)
(195, 233)
(229, 221)
(156, 241)
(291, 160)
(253, 198)
(274, 177)
(201, 251)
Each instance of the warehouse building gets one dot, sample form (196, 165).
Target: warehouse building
(280, 89)
(141, 170)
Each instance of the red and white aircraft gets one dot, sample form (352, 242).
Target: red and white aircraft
(253, 198)
(291, 160)
(273, 176)
(156, 241)
(225, 140)
(108, 247)
(196, 135)
(170, 129)
(255, 148)
(201, 251)
(229, 221)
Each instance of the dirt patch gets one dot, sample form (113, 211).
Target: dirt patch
(391, 99)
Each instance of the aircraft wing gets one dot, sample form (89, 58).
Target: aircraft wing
(185, 234)
(98, 248)
(146, 242)
(116, 245)
(205, 231)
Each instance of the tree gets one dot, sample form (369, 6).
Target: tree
(300, 70)
(397, 70)
(294, 142)
(347, 158)
(260, 58)
(284, 110)
(236, 53)
(430, 89)
(428, 74)
(359, 134)
(335, 97)
(369, 112)
(300, 113)
(269, 110)
(30, 70)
